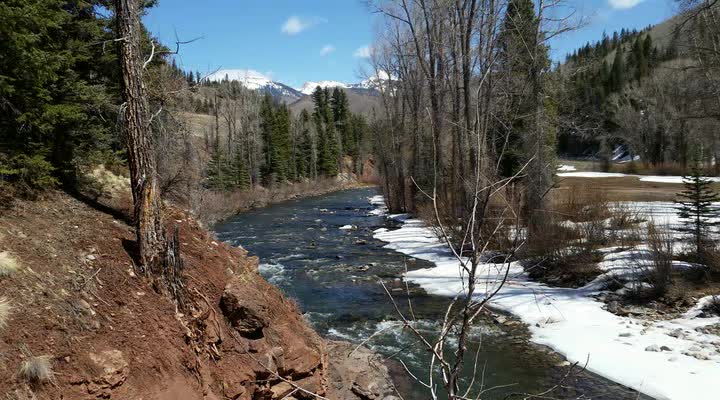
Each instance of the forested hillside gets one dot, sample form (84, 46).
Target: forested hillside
(60, 96)
(648, 91)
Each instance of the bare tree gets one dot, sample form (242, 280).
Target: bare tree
(449, 73)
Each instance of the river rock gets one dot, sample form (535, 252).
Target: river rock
(653, 348)
(247, 315)
(357, 374)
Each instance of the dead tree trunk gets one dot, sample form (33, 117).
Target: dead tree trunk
(135, 129)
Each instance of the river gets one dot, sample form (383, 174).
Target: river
(334, 274)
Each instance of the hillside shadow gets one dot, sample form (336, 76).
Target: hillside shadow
(97, 205)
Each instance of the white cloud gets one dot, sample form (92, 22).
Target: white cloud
(327, 49)
(295, 24)
(624, 4)
(363, 52)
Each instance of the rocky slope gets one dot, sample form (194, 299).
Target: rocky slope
(104, 331)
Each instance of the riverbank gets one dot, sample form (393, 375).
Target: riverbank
(666, 358)
(217, 206)
(78, 320)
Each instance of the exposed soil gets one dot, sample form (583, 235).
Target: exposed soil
(78, 299)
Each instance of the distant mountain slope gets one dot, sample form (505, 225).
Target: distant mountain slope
(363, 96)
(362, 101)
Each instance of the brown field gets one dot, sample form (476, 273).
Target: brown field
(627, 188)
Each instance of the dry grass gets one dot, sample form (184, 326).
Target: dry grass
(581, 203)
(5, 310)
(661, 250)
(625, 216)
(628, 188)
(22, 393)
(646, 169)
(36, 369)
(8, 264)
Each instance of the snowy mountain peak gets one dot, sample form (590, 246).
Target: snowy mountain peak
(376, 81)
(254, 80)
(249, 78)
(309, 87)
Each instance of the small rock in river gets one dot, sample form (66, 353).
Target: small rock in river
(665, 348)
(625, 334)
(653, 347)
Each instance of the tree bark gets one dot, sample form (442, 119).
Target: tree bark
(135, 127)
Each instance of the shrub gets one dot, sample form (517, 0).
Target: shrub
(582, 203)
(631, 168)
(36, 369)
(5, 310)
(623, 216)
(656, 266)
(32, 172)
(8, 264)
(557, 258)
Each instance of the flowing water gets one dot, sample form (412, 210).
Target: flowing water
(335, 276)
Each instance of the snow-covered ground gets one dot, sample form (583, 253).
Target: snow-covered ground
(566, 173)
(663, 359)
(565, 167)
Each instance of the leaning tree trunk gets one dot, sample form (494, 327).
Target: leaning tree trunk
(135, 128)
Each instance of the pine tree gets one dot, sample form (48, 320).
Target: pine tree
(282, 145)
(617, 74)
(341, 119)
(328, 157)
(304, 158)
(217, 178)
(58, 93)
(241, 174)
(517, 43)
(267, 127)
(697, 210)
(328, 148)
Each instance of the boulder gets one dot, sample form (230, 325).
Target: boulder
(114, 373)
(357, 374)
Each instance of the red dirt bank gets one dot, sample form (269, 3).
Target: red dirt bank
(77, 299)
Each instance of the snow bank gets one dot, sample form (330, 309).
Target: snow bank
(671, 179)
(379, 202)
(663, 359)
(644, 178)
(591, 174)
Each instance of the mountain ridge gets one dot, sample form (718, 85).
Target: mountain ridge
(254, 80)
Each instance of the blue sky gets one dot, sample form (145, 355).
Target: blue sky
(294, 41)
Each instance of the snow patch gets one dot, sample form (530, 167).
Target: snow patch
(591, 174)
(309, 87)
(645, 178)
